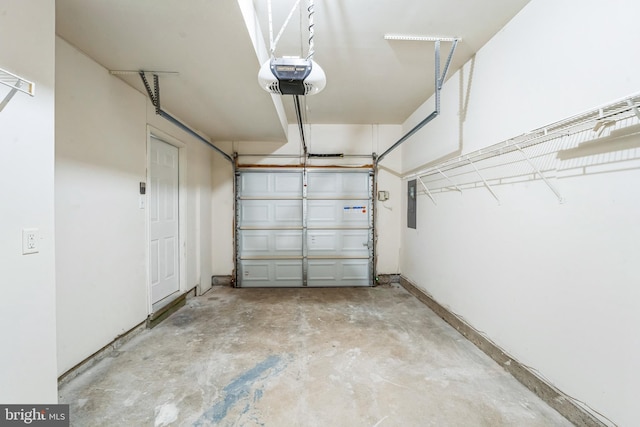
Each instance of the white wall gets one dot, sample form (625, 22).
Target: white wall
(349, 140)
(222, 251)
(27, 305)
(101, 250)
(555, 285)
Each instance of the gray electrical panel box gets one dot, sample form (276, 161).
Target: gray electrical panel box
(411, 203)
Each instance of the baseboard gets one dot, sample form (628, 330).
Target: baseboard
(110, 349)
(546, 391)
(106, 351)
(222, 281)
(168, 309)
(387, 279)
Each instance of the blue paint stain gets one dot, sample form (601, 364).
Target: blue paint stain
(239, 389)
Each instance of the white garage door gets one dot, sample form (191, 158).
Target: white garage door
(310, 227)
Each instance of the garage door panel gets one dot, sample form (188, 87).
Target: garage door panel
(356, 270)
(254, 212)
(256, 271)
(287, 184)
(268, 213)
(272, 184)
(270, 243)
(288, 242)
(343, 243)
(254, 242)
(356, 185)
(340, 184)
(271, 273)
(288, 212)
(338, 213)
(321, 242)
(253, 184)
(355, 241)
(337, 272)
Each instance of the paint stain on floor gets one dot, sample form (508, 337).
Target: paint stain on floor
(239, 390)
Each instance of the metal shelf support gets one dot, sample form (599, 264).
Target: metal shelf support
(486, 184)
(449, 179)
(541, 175)
(17, 84)
(426, 189)
(634, 107)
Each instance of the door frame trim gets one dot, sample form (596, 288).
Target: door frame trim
(182, 214)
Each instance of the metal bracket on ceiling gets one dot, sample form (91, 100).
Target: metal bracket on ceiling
(439, 82)
(154, 95)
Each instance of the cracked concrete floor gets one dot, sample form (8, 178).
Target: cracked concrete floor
(302, 357)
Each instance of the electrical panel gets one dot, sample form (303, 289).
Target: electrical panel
(411, 203)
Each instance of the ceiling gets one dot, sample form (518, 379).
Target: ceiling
(370, 80)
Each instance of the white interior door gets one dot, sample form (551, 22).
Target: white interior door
(163, 220)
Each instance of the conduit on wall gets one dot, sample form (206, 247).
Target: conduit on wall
(154, 95)
(590, 139)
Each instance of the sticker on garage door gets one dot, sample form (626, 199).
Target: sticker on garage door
(354, 210)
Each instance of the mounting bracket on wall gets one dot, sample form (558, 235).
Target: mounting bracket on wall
(17, 84)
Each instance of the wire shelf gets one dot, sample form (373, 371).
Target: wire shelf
(17, 84)
(535, 154)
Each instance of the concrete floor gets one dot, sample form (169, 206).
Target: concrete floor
(302, 357)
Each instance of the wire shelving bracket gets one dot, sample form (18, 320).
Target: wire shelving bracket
(17, 84)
